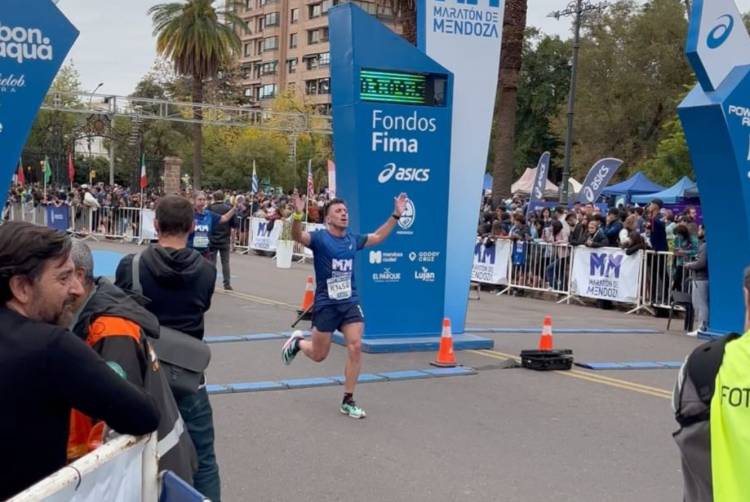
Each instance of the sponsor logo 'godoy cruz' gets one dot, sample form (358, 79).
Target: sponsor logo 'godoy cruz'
(24, 44)
(720, 33)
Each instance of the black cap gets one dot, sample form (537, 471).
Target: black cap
(658, 202)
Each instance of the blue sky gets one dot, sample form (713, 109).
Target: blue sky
(116, 46)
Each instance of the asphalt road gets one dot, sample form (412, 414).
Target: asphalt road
(502, 434)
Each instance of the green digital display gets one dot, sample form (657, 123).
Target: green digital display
(401, 87)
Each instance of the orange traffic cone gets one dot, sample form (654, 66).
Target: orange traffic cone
(545, 341)
(309, 296)
(446, 358)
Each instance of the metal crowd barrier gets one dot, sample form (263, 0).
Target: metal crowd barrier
(547, 267)
(116, 223)
(540, 266)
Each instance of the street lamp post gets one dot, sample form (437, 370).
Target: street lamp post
(575, 8)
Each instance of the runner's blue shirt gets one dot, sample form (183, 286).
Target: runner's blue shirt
(204, 223)
(334, 267)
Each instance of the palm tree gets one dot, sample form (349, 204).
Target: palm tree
(405, 12)
(199, 39)
(514, 24)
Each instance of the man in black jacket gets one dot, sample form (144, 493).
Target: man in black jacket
(115, 326)
(179, 285)
(45, 371)
(220, 237)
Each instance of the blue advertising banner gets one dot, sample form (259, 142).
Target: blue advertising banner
(35, 37)
(540, 181)
(716, 119)
(392, 129)
(58, 217)
(597, 178)
(465, 37)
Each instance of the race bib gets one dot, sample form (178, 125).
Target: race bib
(340, 288)
(200, 241)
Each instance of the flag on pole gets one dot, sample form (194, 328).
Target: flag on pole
(254, 181)
(21, 175)
(47, 170)
(144, 179)
(71, 168)
(332, 179)
(310, 188)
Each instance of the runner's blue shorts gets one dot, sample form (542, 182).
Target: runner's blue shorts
(329, 318)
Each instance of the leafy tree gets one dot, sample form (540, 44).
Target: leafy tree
(631, 74)
(672, 159)
(53, 133)
(542, 92)
(199, 39)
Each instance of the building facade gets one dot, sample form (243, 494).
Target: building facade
(285, 48)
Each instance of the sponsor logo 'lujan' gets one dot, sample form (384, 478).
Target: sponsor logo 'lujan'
(24, 44)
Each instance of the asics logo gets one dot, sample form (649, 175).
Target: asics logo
(720, 33)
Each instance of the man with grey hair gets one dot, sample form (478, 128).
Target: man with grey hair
(116, 326)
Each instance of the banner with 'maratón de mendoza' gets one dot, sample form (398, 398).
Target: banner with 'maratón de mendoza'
(606, 274)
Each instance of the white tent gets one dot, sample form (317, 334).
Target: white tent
(574, 186)
(526, 181)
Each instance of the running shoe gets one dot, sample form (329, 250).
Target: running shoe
(290, 349)
(352, 410)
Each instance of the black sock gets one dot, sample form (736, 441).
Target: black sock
(348, 398)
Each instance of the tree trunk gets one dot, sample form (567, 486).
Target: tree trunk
(197, 132)
(514, 24)
(409, 23)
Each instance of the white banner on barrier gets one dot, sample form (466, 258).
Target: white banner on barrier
(606, 273)
(148, 231)
(117, 479)
(491, 263)
(265, 234)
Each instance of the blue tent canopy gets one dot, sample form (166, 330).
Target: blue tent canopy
(680, 190)
(636, 184)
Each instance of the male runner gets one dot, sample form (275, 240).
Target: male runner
(205, 221)
(336, 300)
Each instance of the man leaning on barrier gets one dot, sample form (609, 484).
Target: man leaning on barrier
(116, 326)
(45, 371)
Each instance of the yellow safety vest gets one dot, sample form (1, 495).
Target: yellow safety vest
(730, 424)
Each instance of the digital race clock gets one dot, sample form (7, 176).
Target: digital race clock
(402, 88)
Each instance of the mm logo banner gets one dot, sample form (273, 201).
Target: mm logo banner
(606, 273)
(491, 262)
(35, 37)
(465, 37)
(265, 235)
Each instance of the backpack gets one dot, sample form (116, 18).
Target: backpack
(701, 368)
(692, 406)
(183, 358)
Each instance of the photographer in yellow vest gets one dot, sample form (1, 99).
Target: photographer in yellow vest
(712, 405)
